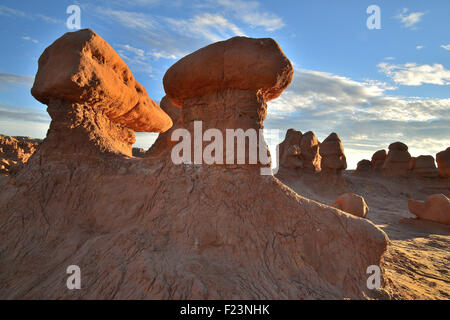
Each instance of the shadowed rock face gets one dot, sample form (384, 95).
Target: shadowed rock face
(289, 150)
(424, 166)
(443, 162)
(147, 228)
(397, 161)
(333, 157)
(309, 152)
(436, 208)
(364, 166)
(92, 97)
(378, 159)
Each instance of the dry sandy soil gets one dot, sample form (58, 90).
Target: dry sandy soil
(417, 262)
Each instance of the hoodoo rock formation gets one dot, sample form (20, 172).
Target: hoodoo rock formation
(93, 99)
(397, 161)
(378, 159)
(443, 162)
(364, 167)
(149, 228)
(333, 160)
(423, 166)
(352, 203)
(436, 208)
(309, 152)
(289, 150)
(15, 151)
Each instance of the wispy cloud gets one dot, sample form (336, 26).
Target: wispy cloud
(419, 47)
(251, 13)
(212, 27)
(409, 20)
(5, 11)
(446, 47)
(15, 79)
(364, 113)
(13, 113)
(412, 74)
(27, 38)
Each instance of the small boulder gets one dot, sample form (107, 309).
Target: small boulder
(352, 203)
(436, 208)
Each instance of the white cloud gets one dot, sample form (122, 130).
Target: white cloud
(389, 58)
(212, 27)
(411, 74)
(15, 79)
(446, 47)
(27, 38)
(419, 47)
(250, 13)
(364, 113)
(409, 20)
(5, 11)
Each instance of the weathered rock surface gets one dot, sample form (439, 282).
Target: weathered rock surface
(443, 162)
(397, 161)
(378, 159)
(93, 99)
(164, 143)
(138, 152)
(333, 157)
(436, 208)
(147, 228)
(423, 166)
(289, 150)
(15, 151)
(309, 152)
(352, 203)
(363, 167)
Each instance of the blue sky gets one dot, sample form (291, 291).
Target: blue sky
(372, 87)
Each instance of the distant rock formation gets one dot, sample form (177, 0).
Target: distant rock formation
(333, 160)
(352, 203)
(364, 167)
(423, 166)
(309, 152)
(289, 150)
(15, 151)
(397, 161)
(138, 152)
(443, 162)
(378, 159)
(436, 208)
(151, 229)
(93, 99)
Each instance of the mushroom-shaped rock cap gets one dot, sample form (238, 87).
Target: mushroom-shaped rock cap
(237, 63)
(81, 67)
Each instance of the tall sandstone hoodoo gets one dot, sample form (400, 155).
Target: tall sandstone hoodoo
(378, 159)
(147, 228)
(309, 152)
(93, 99)
(397, 161)
(333, 157)
(423, 166)
(289, 150)
(443, 162)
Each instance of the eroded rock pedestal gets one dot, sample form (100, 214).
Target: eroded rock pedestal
(147, 228)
